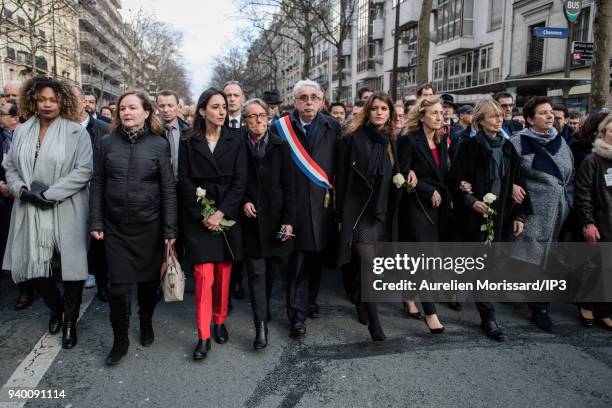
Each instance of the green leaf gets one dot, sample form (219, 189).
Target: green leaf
(483, 227)
(227, 223)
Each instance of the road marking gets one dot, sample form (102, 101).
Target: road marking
(32, 369)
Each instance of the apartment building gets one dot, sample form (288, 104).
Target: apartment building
(39, 38)
(477, 47)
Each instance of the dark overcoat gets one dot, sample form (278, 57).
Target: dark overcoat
(414, 154)
(223, 175)
(270, 187)
(473, 165)
(314, 223)
(354, 190)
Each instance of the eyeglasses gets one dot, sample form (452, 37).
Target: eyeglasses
(305, 98)
(507, 105)
(253, 116)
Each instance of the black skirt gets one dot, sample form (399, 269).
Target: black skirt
(134, 252)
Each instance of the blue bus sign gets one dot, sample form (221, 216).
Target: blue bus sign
(551, 32)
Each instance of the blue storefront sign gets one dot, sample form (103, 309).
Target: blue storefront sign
(551, 32)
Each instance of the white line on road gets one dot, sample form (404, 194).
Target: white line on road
(32, 369)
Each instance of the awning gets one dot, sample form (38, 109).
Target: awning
(524, 85)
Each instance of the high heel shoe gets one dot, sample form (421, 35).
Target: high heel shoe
(438, 330)
(377, 333)
(413, 315)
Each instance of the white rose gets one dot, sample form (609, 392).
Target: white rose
(489, 198)
(200, 192)
(399, 180)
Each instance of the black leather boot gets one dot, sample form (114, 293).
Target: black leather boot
(221, 334)
(69, 334)
(199, 353)
(121, 342)
(146, 331)
(261, 335)
(55, 321)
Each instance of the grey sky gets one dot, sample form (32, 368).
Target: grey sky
(207, 27)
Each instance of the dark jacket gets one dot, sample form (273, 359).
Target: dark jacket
(314, 226)
(414, 154)
(223, 175)
(96, 129)
(270, 187)
(593, 197)
(567, 134)
(133, 183)
(512, 126)
(472, 164)
(355, 191)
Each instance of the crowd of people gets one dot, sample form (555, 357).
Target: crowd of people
(98, 196)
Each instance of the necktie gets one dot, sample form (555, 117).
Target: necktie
(170, 133)
(234, 123)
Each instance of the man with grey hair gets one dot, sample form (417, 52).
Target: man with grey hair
(11, 90)
(314, 222)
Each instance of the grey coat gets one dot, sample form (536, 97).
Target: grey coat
(551, 200)
(71, 192)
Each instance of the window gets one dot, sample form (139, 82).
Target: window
(10, 53)
(24, 57)
(21, 21)
(581, 27)
(535, 54)
(8, 13)
(362, 35)
(41, 63)
(495, 14)
(454, 18)
(465, 70)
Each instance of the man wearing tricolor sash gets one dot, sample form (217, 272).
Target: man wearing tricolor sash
(312, 137)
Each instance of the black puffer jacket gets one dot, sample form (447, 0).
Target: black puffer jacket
(133, 182)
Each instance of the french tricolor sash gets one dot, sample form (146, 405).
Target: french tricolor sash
(301, 158)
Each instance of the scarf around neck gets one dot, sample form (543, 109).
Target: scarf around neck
(544, 146)
(494, 146)
(133, 136)
(603, 149)
(36, 231)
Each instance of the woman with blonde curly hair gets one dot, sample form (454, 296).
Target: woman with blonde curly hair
(48, 168)
(188, 113)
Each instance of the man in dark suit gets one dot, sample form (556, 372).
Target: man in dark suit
(168, 106)
(96, 256)
(314, 227)
(90, 101)
(235, 98)
(506, 101)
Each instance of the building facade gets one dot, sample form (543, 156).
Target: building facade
(477, 47)
(39, 38)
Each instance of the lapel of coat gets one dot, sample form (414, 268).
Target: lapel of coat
(321, 131)
(201, 146)
(225, 142)
(423, 146)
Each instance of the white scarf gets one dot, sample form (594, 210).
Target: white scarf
(603, 149)
(36, 231)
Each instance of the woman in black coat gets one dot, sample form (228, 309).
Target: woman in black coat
(133, 210)
(594, 210)
(268, 211)
(423, 214)
(488, 163)
(365, 164)
(211, 157)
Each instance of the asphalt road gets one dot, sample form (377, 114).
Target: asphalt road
(335, 365)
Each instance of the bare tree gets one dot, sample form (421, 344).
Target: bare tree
(24, 24)
(158, 47)
(333, 20)
(296, 21)
(422, 70)
(602, 50)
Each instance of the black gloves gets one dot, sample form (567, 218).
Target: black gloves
(36, 198)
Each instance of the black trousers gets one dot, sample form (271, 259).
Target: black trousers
(236, 276)
(120, 302)
(260, 273)
(69, 303)
(96, 258)
(302, 264)
(486, 310)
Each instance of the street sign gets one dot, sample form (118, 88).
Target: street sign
(582, 51)
(572, 10)
(551, 32)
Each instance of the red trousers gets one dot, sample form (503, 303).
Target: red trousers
(212, 282)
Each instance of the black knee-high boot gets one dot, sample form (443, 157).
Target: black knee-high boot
(147, 299)
(73, 293)
(119, 302)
